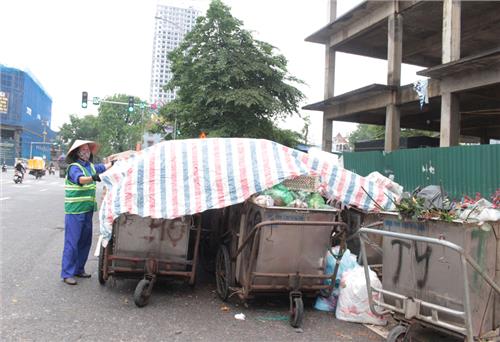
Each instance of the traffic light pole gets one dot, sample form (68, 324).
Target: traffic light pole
(124, 103)
(116, 102)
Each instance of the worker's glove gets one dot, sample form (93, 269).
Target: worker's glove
(96, 178)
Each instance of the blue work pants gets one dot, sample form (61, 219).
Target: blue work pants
(77, 242)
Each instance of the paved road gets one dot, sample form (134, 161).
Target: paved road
(37, 305)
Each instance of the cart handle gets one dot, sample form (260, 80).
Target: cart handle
(285, 223)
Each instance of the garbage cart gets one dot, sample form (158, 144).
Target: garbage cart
(442, 275)
(36, 167)
(142, 247)
(266, 250)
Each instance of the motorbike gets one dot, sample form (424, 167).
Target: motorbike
(4, 168)
(37, 173)
(18, 177)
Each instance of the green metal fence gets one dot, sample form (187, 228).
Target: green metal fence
(461, 170)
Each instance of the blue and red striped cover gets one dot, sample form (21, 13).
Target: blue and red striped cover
(182, 177)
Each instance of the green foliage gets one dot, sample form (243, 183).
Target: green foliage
(411, 207)
(286, 137)
(85, 128)
(375, 132)
(366, 132)
(119, 129)
(229, 84)
(114, 128)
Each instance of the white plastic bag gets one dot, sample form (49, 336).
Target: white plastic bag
(353, 305)
(264, 200)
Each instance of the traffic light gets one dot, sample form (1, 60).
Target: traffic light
(85, 96)
(130, 103)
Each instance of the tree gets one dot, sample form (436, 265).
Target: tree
(305, 129)
(228, 84)
(119, 129)
(366, 132)
(85, 128)
(373, 132)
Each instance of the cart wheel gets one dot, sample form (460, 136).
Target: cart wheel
(100, 272)
(297, 312)
(223, 272)
(397, 334)
(141, 293)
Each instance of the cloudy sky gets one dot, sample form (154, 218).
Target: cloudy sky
(105, 46)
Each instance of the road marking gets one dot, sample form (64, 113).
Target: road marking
(44, 189)
(4, 198)
(54, 183)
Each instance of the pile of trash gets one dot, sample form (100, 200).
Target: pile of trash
(281, 196)
(432, 202)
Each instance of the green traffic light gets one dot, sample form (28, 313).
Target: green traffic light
(130, 109)
(84, 105)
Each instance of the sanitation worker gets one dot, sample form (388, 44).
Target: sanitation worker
(79, 206)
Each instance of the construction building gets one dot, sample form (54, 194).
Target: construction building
(25, 116)
(458, 44)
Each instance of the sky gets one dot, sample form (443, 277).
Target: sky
(104, 47)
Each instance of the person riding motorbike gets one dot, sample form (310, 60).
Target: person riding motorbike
(4, 167)
(20, 168)
(52, 170)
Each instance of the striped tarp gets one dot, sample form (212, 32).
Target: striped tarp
(183, 177)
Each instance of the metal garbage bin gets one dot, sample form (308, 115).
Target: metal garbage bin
(442, 274)
(277, 250)
(147, 248)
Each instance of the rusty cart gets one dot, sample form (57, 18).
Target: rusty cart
(266, 250)
(440, 275)
(142, 247)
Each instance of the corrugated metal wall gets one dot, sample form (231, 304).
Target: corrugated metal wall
(461, 170)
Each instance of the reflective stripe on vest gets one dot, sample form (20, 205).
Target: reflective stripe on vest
(80, 198)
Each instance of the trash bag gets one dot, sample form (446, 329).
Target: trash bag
(264, 200)
(297, 203)
(352, 304)
(433, 196)
(481, 211)
(281, 195)
(315, 201)
(347, 262)
(328, 304)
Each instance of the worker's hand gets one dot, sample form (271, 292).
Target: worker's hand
(96, 178)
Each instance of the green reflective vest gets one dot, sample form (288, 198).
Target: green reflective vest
(79, 199)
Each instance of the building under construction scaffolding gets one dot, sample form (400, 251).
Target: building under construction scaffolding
(458, 42)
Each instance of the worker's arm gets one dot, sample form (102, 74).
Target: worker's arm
(99, 168)
(86, 180)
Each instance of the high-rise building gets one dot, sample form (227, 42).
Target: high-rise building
(171, 25)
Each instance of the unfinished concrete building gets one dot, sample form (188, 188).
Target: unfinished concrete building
(458, 42)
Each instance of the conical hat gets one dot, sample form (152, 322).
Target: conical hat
(92, 145)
